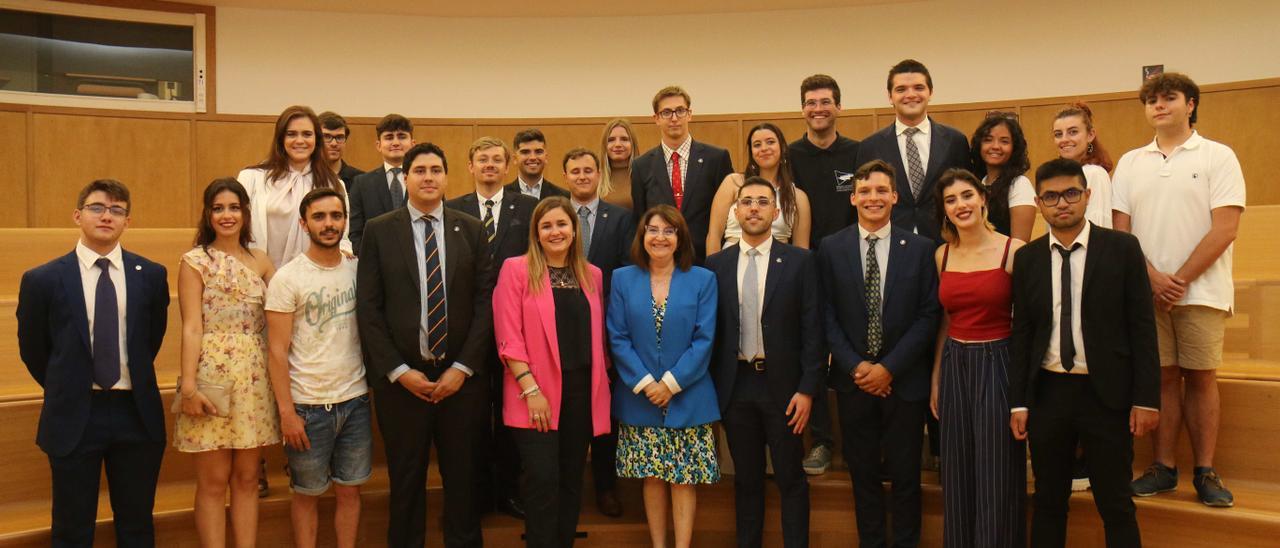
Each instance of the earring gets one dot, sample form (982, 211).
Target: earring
(1090, 149)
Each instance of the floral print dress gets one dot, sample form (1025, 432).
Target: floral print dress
(233, 352)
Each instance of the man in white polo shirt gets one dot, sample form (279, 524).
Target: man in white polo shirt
(1182, 196)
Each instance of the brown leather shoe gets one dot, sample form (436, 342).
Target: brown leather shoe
(608, 504)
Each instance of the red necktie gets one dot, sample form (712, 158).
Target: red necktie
(677, 181)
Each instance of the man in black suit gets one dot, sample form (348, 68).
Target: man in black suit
(918, 148)
(382, 189)
(767, 363)
(680, 171)
(89, 326)
(335, 132)
(608, 233)
(504, 216)
(423, 298)
(882, 311)
(1084, 365)
(531, 162)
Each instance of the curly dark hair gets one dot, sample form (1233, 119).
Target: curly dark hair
(1017, 165)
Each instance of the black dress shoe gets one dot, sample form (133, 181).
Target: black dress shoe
(512, 506)
(608, 504)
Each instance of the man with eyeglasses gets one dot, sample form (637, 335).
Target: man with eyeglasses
(680, 171)
(1083, 365)
(89, 326)
(382, 189)
(335, 132)
(823, 162)
(767, 363)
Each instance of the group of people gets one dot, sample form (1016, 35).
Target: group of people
(523, 329)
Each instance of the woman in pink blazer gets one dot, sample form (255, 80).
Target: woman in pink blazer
(549, 322)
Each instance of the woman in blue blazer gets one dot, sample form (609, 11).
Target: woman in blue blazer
(661, 319)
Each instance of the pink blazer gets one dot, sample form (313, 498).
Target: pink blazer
(525, 327)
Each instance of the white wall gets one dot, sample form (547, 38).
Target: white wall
(368, 65)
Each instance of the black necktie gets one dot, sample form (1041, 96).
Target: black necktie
(106, 329)
(1067, 348)
(875, 329)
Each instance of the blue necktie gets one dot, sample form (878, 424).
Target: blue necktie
(437, 324)
(106, 329)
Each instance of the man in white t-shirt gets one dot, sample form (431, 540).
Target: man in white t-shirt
(1182, 196)
(317, 373)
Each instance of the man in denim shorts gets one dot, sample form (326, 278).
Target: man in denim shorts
(318, 375)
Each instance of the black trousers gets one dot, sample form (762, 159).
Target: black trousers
(604, 452)
(751, 424)
(115, 437)
(1067, 411)
(409, 428)
(554, 462)
(892, 428)
(499, 474)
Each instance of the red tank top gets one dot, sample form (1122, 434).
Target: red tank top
(980, 303)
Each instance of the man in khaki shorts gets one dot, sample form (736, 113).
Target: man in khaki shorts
(1182, 196)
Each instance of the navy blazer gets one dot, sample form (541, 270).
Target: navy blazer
(687, 333)
(511, 236)
(612, 234)
(53, 339)
(348, 174)
(791, 322)
(650, 186)
(369, 197)
(909, 310)
(948, 148)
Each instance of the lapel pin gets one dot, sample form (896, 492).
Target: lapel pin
(699, 160)
(137, 267)
(902, 242)
(778, 260)
(604, 215)
(512, 206)
(455, 228)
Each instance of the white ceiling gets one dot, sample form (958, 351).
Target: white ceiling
(541, 8)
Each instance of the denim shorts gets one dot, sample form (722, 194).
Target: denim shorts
(341, 446)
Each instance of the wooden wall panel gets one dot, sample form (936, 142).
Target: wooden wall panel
(151, 156)
(1248, 122)
(13, 178)
(1119, 123)
(455, 141)
(724, 134)
(966, 121)
(361, 150)
(222, 150)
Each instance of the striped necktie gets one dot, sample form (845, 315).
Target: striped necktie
(437, 323)
(490, 231)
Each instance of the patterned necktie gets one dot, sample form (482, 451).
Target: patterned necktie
(915, 168)
(1067, 346)
(584, 215)
(106, 329)
(490, 228)
(749, 312)
(677, 179)
(437, 324)
(397, 189)
(875, 331)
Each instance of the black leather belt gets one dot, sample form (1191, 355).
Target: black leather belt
(756, 364)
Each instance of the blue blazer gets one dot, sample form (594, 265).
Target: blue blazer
(53, 339)
(909, 310)
(687, 333)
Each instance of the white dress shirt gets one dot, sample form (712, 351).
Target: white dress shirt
(497, 206)
(921, 139)
(762, 272)
(533, 191)
(418, 223)
(882, 253)
(89, 274)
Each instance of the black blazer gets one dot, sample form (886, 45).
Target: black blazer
(369, 197)
(53, 340)
(909, 310)
(1117, 320)
(548, 189)
(512, 233)
(611, 237)
(388, 299)
(348, 175)
(948, 148)
(650, 186)
(791, 324)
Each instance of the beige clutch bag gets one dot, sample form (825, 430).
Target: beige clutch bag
(217, 394)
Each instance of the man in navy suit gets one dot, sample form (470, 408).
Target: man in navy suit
(381, 190)
(608, 232)
(768, 363)
(89, 326)
(679, 171)
(918, 148)
(881, 319)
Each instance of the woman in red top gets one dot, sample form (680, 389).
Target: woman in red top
(983, 467)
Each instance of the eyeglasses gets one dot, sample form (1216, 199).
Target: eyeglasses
(1071, 195)
(99, 209)
(667, 114)
(654, 231)
(815, 103)
(748, 202)
(335, 138)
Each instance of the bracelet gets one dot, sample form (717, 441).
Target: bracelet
(531, 391)
(523, 375)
